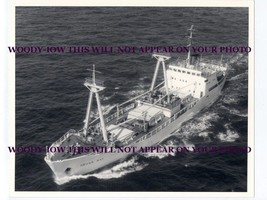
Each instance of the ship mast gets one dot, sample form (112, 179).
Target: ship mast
(188, 60)
(161, 59)
(91, 84)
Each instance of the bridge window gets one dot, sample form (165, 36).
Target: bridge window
(188, 72)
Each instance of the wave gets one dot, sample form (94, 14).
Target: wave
(234, 111)
(107, 98)
(144, 78)
(243, 75)
(135, 92)
(236, 58)
(197, 125)
(159, 155)
(229, 136)
(230, 99)
(237, 112)
(188, 144)
(205, 135)
(117, 171)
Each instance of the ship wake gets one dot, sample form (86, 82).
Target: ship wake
(229, 136)
(199, 127)
(202, 130)
(160, 155)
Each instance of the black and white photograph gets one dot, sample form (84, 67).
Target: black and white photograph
(131, 99)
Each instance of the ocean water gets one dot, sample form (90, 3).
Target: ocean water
(51, 98)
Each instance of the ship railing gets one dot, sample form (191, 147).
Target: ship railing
(175, 116)
(61, 140)
(64, 137)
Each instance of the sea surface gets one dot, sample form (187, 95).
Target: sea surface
(51, 98)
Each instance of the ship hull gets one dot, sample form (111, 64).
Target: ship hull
(91, 162)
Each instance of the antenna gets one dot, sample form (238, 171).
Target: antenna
(93, 73)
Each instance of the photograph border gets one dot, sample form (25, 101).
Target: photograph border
(167, 3)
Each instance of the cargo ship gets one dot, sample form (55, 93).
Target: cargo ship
(188, 87)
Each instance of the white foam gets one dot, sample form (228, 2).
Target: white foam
(136, 92)
(158, 155)
(209, 116)
(229, 136)
(116, 171)
(196, 127)
(203, 134)
(190, 145)
(63, 180)
(106, 98)
(193, 127)
(230, 99)
(235, 58)
(237, 112)
(143, 78)
(239, 76)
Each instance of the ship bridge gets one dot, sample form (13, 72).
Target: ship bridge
(183, 81)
